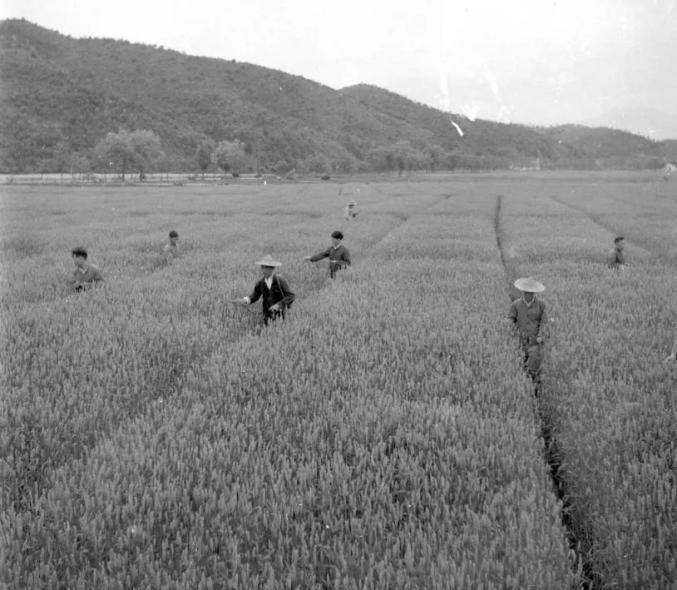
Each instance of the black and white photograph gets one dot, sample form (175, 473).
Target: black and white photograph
(374, 295)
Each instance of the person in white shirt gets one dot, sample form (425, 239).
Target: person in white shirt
(350, 212)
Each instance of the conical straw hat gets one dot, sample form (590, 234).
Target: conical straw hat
(529, 285)
(268, 260)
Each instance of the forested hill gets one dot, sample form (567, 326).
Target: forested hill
(60, 96)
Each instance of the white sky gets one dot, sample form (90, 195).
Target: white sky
(525, 61)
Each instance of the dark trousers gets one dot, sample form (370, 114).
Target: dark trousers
(334, 267)
(271, 316)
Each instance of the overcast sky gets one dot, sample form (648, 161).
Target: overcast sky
(526, 61)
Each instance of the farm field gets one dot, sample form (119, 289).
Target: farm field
(383, 435)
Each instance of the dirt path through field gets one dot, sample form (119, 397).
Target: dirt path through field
(552, 453)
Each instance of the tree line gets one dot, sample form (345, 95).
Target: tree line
(140, 151)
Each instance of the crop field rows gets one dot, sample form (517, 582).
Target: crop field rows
(608, 400)
(382, 436)
(152, 344)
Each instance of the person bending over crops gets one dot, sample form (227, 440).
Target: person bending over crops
(616, 258)
(171, 249)
(338, 254)
(528, 315)
(350, 212)
(672, 357)
(85, 274)
(272, 289)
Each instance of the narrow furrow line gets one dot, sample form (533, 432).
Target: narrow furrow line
(510, 274)
(552, 453)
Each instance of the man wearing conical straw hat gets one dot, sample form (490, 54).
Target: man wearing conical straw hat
(273, 291)
(528, 315)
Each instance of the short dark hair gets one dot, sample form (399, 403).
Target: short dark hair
(173, 234)
(79, 251)
(337, 234)
(618, 239)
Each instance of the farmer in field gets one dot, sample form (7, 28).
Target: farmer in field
(338, 254)
(616, 258)
(528, 315)
(672, 357)
(350, 212)
(171, 249)
(274, 291)
(85, 274)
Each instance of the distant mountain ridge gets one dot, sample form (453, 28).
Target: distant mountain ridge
(652, 123)
(59, 96)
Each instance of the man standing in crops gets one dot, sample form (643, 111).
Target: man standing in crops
(274, 291)
(85, 274)
(171, 249)
(616, 258)
(528, 315)
(338, 254)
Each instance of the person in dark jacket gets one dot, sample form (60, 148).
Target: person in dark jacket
(171, 249)
(338, 254)
(528, 316)
(616, 258)
(274, 291)
(85, 274)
